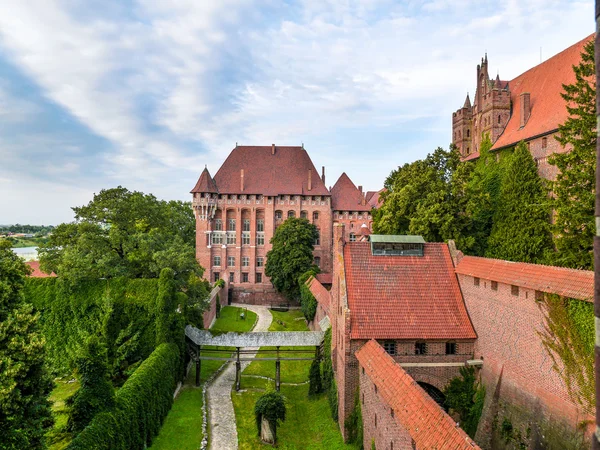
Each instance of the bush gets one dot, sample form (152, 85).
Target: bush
(315, 386)
(141, 406)
(354, 423)
(466, 396)
(329, 384)
(271, 407)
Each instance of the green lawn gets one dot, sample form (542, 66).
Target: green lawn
(309, 424)
(182, 429)
(57, 437)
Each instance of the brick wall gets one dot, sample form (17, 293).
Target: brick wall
(388, 434)
(517, 370)
(210, 314)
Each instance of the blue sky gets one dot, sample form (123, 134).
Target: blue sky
(144, 93)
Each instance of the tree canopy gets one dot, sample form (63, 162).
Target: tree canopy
(123, 233)
(291, 255)
(25, 384)
(574, 187)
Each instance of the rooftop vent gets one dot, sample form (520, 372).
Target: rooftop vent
(384, 245)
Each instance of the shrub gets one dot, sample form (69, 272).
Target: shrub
(141, 406)
(466, 396)
(315, 386)
(354, 423)
(271, 407)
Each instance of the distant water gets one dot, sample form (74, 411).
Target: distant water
(27, 253)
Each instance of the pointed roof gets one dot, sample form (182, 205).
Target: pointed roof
(345, 196)
(467, 102)
(205, 183)
(544, 84)
(373, 198)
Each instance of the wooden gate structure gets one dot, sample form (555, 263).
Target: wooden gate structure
(197, 339)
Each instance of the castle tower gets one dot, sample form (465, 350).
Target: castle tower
(204, 203)
(462, 122)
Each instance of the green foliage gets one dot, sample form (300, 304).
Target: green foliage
(198, 294)
(466, 396)
(122, 233)
(220, 283)
(165, 308)
(271, 407)
(521, 230)
(38, 230)
(427, 197)
(95, 393)
(575, 184)
(354, 423)
(328, 381)
(291, 255)
(218, 306)
(568, 336)
(121, 311)
(315, 385)
(308, 302)
(141, 406)
(25, 384)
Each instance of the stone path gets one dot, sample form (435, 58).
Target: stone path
(221, 415)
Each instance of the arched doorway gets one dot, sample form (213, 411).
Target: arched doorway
(434, 393)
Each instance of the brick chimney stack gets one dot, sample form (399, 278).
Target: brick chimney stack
(309, 179)
(272, 149)
(360, 189)
(525, 108)
(323, 174)
(242, 180)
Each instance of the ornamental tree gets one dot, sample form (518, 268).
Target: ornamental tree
(291, 255)
(521, 229)
(269, 412)
(574, 188)
(25, 384)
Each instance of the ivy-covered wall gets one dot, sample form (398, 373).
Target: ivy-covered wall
(121, 311)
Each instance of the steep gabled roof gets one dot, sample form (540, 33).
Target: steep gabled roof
(37, 273)
(205, 183)
(345, 196)
(544, 85)
(404, 297)
(321, 294)
(570, 283)
(373, 198)
(415, 411)
(285, 172)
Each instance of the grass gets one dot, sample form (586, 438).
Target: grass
(182, 429)
(309, 424)
(57, 437)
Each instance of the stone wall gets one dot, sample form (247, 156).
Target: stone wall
(522, 386)
(210, 314)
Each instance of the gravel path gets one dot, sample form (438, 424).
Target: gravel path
(221, 416)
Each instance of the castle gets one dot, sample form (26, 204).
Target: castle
(528, 108)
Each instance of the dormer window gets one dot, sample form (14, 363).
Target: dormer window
(384, 245)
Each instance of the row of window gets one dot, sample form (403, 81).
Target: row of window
(260, 261)
(245, 277)
(292, 214)
(231, 238)
(260, 225)
(514, 289)
(420, 348)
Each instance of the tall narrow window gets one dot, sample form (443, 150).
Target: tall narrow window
(315, 215)
(231, 276)
(258, 277)
(230, 224)
(246, 225)
(420, 348)
(260, 261)
(216, 276)
(494, 285)
(230, 261)
(450, 348)
(544, 142)
(244, 277)
(246, 238)
(260, 239)
(278, 215)
(514, 290)
(245, 261)
(476, 281)
(231, 239)
(318, 238)
(218, 224)
(291, 214)
(317, 261)
(303, 214)
(216, 261)
(260, 225)
(217, 238)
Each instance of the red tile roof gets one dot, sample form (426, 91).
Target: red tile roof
(37, 273)
(414, 410)
(404, 297)
(544, 84)
(324, 278)
(373, 198)
(345, 196)
(319, 292)
(285, 172)
(570, 283)
(205, 183)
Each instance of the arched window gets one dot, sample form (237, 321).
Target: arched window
(291, 214)
(316, 215)
(304, 214)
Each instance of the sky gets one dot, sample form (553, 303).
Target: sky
(145, 93)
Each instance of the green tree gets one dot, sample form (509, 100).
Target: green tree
(271, 408)
(96, 393)
(25, 384)
(483, 190)
(291, 255)
(315, 384)
(166, 303)
(466, 396)
(521, 229)
(574, 187)
(123, 233)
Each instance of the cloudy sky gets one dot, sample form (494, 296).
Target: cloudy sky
(144, 93)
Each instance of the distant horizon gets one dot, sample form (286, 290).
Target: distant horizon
(145, 96)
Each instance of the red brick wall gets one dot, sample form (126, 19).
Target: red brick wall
(388, 431)
(210, 314)
(352, 221)
(512, 351)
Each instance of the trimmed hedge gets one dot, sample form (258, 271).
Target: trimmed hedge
(141, 406)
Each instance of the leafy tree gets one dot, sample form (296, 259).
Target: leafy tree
(198, 292)
(427, 197)
(308, 303)
(96, 393)
(483, 190)
(165, 307)
(25, 384)
(466, 396)
(291, 255)
(574, 188)
(521, 229)
(270, 407)
(123, 233)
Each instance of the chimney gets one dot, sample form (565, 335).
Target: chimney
(309, 179)
(242, 180)
(323, 174)
(525, 109)
(272, 149)
(360, 189)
